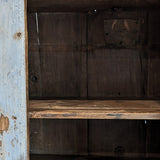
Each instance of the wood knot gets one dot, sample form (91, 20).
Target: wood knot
(18, 35)
(14, 118)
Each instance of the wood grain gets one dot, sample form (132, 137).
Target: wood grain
(117, 138)
(58, 63)
(115, 65)
(114, 70)
(13, 80)
(86, 5)
(51, 157)
(35, 80)
(153, 30)
(58, 137)
(153, 74)
(92, 109)
(115, 73)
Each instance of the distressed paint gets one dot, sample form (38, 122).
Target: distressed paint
(4, 124)
(13, 78)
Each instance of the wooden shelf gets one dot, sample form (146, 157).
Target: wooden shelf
(94, 109)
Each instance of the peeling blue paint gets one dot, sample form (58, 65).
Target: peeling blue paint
(13, 98)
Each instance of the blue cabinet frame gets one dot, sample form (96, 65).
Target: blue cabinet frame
(13, 80)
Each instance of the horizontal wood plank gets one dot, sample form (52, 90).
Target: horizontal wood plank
(52, 157)
(95, 109)
(85, 5)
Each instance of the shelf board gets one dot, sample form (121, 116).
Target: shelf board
(94, 109)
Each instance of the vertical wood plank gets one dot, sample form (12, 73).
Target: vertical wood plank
(153, 139)
(153, 74)
(115, 60)
(35, 84)
(153, 30)
(117, 138)
(58, 137)
(13, 78)
(57, 64)
(115, 73)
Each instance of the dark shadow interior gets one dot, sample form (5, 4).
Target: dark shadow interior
(94, 50)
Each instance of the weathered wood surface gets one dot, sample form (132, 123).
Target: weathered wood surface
(117, 138)
(13, 78)
(49, 136)
(77, 58)
(58, 137)
(51, 157)
(114, 73)
(154, 32)
(153, 73)
(89, 137)
(85, 5)
(116, 67)
(94, 109)
(57, 64)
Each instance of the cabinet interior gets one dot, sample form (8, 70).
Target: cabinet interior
(94, 78)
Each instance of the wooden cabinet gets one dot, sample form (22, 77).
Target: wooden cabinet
(83, 76)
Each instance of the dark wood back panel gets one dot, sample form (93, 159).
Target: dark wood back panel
(115, 73)
(85, 5)
(76, 55)
(154, 54)
(117, 138)
(115, 58)
(79, 55)
(58, 137)
(56, 59)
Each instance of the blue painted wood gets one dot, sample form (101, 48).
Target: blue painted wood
(13, 78)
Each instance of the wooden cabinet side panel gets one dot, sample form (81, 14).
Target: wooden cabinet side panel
(13, 80)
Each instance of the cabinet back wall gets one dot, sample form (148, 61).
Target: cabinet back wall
(112, 54)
